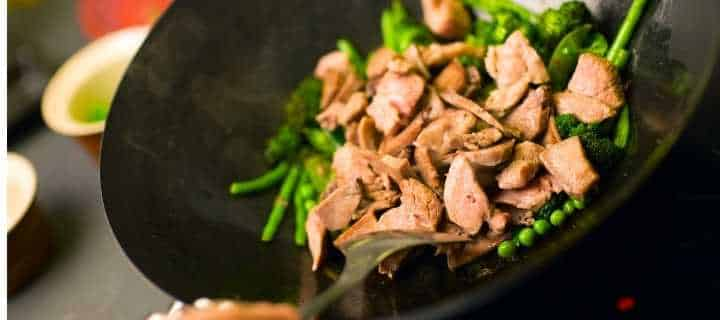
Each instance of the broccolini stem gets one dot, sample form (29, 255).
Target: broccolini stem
(625, 33)
(281, 203)
(320, 140)
(622, 129)
(300, 212)
(262, 182)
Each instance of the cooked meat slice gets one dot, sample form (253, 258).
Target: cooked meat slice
(435, 106)
(335, 60)
(487, 157)
(393, 145)
(517, 174)
(420, 209)
(527, 150)
(586, 109)
(477, 140)
(452, 78)
(400, 165)
(400, 65)
(377, 63)
(502, 99)
(530, 118)
(388, 200)
(595, 77)
(428, 172)
(465, 201)
(385, 117)
(315, 230)
(329, 188)
(366, 224)
(437, 136)
(514, 61)
(351, 163)
(472, 250)
(332, 82)
(469, 105)
(569, 167)
(367, 136)
(412, 55)
(447, 19)
(351, 83)
(531, 197)
(401, 91)
(437, 54)
(498, 223)
(552, 135)
(354, 107)
(328, 118)
(351, 133)
(521, 217)
(337, 209)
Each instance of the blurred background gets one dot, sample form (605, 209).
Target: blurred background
(665, 266)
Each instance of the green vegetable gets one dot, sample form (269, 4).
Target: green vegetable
(598, 44)
(565, 56)
(622, 130)
(555, 202)
(554, 24)
(309, 204)
(600, 150)
(506, 249)
(622, 38)
(318, 168)
(306, 190)
(494, 6)
(281, 146)
(358, 61)
(504, 23)
(300, 214)
(281, 203)
(527, 237)
(542, 226)
(262, 182)
(568, 207)
(321, 140)
(568, 125)
(399, 30)
(557, 217)
(578, 203)
(472, 61)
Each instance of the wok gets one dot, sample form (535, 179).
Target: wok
(207, 89)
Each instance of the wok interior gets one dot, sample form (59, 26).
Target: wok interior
(205, 92)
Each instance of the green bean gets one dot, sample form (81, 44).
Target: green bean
(281, 203)
(319, 171)
(262, 182)
(622, 129)
(320, 140)
(625, 32)
(299, 203)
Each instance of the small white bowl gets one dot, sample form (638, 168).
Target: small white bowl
(21, 187)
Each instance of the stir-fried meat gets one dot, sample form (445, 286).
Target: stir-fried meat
(501, 100)
(316, 238)
(446, 19)
(531, 197)
(520, 217)
(366, 224)
(393, 145)
(413, 55)
(586, 109)
(399, 165)
(466, 203)
(469, 105)
(335, 60)
(385, 117)
(367, 136)
(514, 61)
(378, 61)
(452, 78)
(527, 150)
(474, 78)
(552, 135)
(353, 109)
(486, 157)
(435, 106)
(389, 200)
(351, 163)
(530, 118)
(351, 133)
(351, 84)
(526, 163)
(428, 172)
(332, 82)
(420, 209)
(337, 209)
(569, 167)
(440, 54)
(470, 251)
(595, 77)
(498, 223)
(477, 140)
(328, 118)
(401, 91)
(437, 136)
(400, 65)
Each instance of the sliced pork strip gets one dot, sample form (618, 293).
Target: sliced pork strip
(469, 105)
(400, 165)
(389, 200)
(351, 83)
(527, 150)
(501, 100)
(486, 157)
(552, 135)
(435, 106)
(413, 55)
(367, 136)
(337, 209)
(479, 246)
(366, 224)
(586, 109)
(437, 136)
(335, 60)
(477, 140)
(401, 91)
(437, 54)
(377, 63)
(531, 197)
(350, 163)
(316, 238)
(474, 78)
(498, 223)
(466, 203)
(400, 65)
(446, 19)
(328, 118)
(567, 163)
(452, 78)
(353, 109)
(520, 217)
(531, 117)
(514, 61)
(351, 133)
(517, 174)
(332, 82)
(428, 172)
(385, 117)
(393, 145)
(421, 202)
(596, 77)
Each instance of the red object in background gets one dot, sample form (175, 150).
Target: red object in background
(625, 304)
(98, 17)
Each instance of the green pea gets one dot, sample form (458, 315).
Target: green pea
(542, 226)
(306, 191)
(527, 237)
(568, 207)
(506, 249)
(309, 204)
(578, 203)
(557, 217)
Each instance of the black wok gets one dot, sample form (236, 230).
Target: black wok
(206, 90)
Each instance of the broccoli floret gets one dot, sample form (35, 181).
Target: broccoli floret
(504, 22)
(568, 126)
(304, 103)
(556, 23)
(555, 202)
(399, 30)
(283, 144)
(595, 138)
